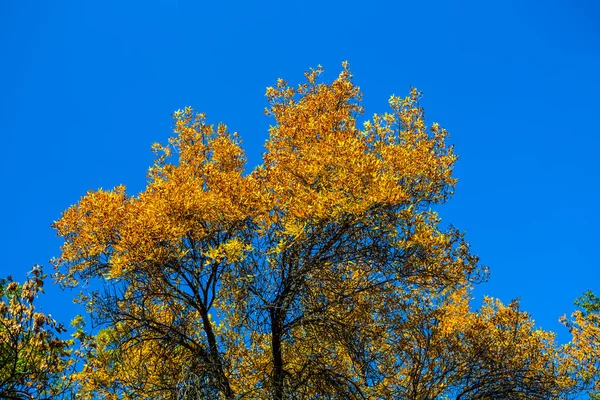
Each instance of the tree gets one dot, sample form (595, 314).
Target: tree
(323, 273)
(34, 360)
(584, 348)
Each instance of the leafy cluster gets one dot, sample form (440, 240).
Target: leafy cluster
(34, 360)
(323, 273)
(585, 345)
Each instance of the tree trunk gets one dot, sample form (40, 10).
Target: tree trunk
(215, 356)
(276, 332)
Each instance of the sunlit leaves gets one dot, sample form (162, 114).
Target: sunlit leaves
(322, 273)
(34, 359)
(584, 349)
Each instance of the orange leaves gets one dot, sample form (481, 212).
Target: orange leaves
(205, 186)
(166, 250)
(322, 273)
(90, 228)
(319, 164)
(329, 235)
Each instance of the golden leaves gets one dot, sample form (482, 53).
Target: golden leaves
(323, 271)
(319, 164)
(584, 349)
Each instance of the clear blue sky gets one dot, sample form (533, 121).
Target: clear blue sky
(87, 86)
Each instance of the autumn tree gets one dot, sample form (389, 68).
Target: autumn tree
(34, 360)
(322, 273)
(584, 349)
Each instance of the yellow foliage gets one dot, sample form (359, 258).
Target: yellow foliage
(322, 273)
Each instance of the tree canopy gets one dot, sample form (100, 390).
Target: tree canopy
(324, 272)
(34, 360)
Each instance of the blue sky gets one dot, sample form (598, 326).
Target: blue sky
(87, 86)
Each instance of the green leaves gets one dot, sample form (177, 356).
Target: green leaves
(34, 361)
(589, 303)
